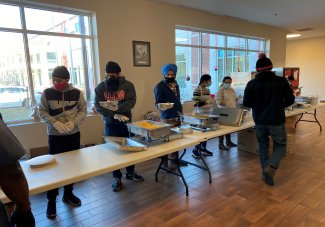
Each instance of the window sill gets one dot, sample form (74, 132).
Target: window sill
(33, 122)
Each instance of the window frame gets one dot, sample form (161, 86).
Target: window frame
(265, 48)
(25, 32)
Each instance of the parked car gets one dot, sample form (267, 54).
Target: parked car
(13, 96)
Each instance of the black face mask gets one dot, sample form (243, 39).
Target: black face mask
(170, 80)
(112, 84)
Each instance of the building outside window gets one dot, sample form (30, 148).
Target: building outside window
(218, 54)
(32, 47)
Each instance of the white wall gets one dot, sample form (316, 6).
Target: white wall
(34, 135)
(121, 21)
(308, 55)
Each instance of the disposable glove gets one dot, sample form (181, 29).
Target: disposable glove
(60, 127)
(121, 118)
(69, 125)
(113, 106)
(163, 106)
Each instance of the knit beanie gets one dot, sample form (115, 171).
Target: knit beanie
(112, 67)
(169, 67)
(263, 63)
(61, 72)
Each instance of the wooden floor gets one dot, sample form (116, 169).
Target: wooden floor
(236, 196)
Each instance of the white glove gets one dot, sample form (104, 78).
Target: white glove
(121, 118)
(164, 107)
(62, 128)
(113, 106)
(69, 125)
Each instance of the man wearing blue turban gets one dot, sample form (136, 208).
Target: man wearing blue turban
(167, 91)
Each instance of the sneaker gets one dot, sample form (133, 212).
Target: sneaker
(231, 144)
(116, 184)
(206, 152)
(268, 174)
(134, 176)
(71, 199)
(222, 147)
(51, 210)
(196, 154)
(268, 179)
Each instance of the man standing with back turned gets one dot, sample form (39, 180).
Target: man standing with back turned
(268, 95)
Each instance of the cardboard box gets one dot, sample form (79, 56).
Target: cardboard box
(34, 152)
(247, 141)
(291, 136)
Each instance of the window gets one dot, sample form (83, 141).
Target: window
(218, 54)
(31, 48)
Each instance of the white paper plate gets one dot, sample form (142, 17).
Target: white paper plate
(41, 160)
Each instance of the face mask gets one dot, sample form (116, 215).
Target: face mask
(60, 86)
(226, 86)
(170, 80)
(113, 84)
(208, 84)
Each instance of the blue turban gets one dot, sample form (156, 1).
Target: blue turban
(169, 67)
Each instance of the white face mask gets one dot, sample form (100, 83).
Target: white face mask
(226, 86)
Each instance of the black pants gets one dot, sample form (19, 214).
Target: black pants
(119, 130)
(228, 139)
(61, 144)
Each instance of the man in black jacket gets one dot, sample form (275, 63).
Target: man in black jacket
(268, 95)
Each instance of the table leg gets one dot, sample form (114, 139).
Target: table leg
(315, 121)
(178, 173)
(205, 167)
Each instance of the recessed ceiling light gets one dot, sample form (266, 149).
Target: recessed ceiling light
(293, 35)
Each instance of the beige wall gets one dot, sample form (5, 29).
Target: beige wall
(121, 21)
(308, 55)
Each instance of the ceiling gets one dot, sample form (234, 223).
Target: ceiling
(291, 15)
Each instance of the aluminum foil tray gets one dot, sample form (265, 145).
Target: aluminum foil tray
(156, 129)
(230, 116)
(124, 144)
(200, 119)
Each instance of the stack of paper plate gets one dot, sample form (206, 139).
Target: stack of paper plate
(41, 161)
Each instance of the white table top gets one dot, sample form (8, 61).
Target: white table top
(78, 165)
(224, 129)
(300, 111)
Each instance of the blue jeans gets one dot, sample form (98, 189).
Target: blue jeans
(120, 130)
(278, 135)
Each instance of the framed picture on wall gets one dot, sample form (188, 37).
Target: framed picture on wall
(141, 53)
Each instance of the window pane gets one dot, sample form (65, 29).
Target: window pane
(56, 22)
(187, 37)
(14, 92)
(212, 64)
(213, 40)
(235, 42)
(251, 61)
(9, 16)
(254, 44)
(54, 51)
(239, 81)
(187, 61)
